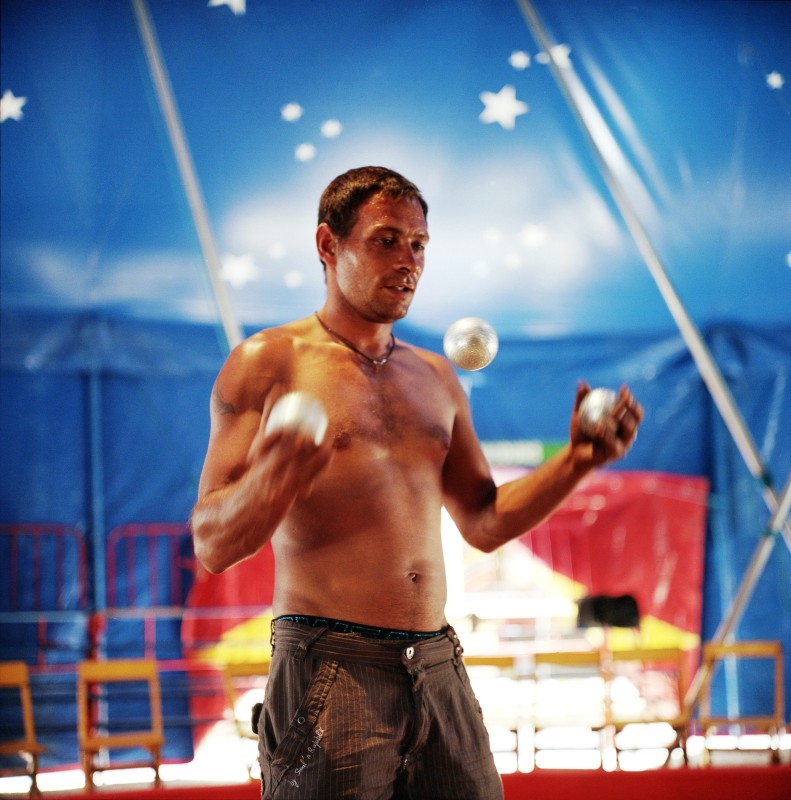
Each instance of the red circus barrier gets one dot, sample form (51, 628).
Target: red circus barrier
(757, 783)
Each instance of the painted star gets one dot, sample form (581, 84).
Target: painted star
(502, 107)
(560, 54)
(293, 279)
(238, 270)
(774, 80)
(237, 6)
(11, 107)
(305, 152)
(331, 129)
(519, 59)
(291, 112)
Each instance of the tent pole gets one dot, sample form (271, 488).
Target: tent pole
(612, 163)
(98, 519)
(725, 630)
(189, 179)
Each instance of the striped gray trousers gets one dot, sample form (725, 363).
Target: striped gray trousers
(350, 717)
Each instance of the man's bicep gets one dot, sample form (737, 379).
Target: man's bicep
(467, 479)
(229, 442)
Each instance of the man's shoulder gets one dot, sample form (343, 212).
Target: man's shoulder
(269, 351)
(268, 342)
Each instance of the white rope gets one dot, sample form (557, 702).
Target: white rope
(611, 161)
(156, 65)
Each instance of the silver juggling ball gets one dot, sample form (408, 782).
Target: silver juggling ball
(594, 407)
(470, 343)
(299, 411)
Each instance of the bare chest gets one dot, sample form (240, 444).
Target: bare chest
(399, 406)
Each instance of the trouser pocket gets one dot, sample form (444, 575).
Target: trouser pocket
(287, 739)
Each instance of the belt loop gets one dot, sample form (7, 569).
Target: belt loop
(307, 642)
(458, 650)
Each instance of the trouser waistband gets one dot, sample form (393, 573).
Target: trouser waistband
(369, 631)
(302, 639)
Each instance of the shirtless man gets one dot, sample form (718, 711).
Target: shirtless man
(367, 695)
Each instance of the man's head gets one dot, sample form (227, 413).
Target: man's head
(341, 199)
(371, 239)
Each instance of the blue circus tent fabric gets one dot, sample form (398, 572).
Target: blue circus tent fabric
(110, 335)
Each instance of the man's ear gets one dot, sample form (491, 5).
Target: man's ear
(325, 244)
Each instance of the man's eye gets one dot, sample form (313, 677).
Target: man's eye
(387, 241)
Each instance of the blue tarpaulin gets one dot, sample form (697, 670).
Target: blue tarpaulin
(110, 331)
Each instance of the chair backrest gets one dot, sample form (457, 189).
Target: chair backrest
(569, 658)
(763, 649)
(648, 663)
(565, 676)
(117, 671)
(15, 674)
(501, 661)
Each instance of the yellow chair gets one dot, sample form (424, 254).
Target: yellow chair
(238, 680)
(94, 737)
(501, 661)
(646, 695)
(15, 675)
(772, 724)
(569, 709)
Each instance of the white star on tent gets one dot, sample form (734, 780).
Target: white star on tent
(291, 112)
(305, 152)
(237, 6)
(11, 107)
(519, 59)
(238, 270)
(774, 80)
(560, 54)
(331, 128)
(277, 250)
(293, 279)
(502, 107)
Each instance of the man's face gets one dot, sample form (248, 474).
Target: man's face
(379, 264)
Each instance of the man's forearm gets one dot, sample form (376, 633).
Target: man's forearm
(521, 504)
(231, 524)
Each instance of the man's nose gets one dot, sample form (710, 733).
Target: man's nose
(410, 262)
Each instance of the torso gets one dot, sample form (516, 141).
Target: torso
(365, 546)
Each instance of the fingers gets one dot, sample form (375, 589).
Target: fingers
(275, 393)
(289, 461)
(615, 431)
(287, 455)
(582, 389)
(627, 414)
(298, 448)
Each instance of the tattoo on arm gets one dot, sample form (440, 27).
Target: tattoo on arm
(220, 404)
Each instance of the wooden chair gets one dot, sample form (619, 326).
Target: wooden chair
(772, 724)
(97, 735)
(15, 675)
(238, 680)
(569, 694)
(646, 692)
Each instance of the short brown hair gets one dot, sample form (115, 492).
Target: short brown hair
(346, 193)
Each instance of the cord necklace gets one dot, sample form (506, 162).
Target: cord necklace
(376, 363)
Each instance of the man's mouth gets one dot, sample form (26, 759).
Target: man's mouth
(404, 289)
